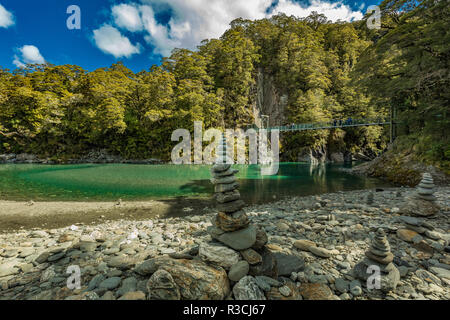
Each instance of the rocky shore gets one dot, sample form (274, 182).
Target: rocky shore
(96, 156)
(316, 246)
(400, 167)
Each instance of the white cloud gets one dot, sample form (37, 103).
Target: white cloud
(195, 20)
(28, 54)
(127, 16)
(333, 11)
(6, 18)
(111, 41)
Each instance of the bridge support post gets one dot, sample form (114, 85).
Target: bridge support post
(393, 127)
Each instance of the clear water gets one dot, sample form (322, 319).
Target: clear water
(104, 182)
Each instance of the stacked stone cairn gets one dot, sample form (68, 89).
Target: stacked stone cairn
(423, 202)
(379, 255)
(231, 217)
(425, 189)
(422, 234)
(232, 227)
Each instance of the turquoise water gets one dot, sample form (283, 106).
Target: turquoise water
(104, 182)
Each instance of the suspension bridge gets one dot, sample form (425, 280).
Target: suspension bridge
(334, 124)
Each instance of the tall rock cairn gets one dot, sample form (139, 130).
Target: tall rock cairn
(425, 189)
(231, 226)
(229, 204)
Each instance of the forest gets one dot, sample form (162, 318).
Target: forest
(325, 70)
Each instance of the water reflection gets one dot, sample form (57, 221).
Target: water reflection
(139, 182)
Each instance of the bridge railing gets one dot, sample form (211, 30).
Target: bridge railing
(328, 125)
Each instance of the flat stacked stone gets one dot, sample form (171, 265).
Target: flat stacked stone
(415, 224)
(425, 189)
(379, 254)
(229, 204)
(380, 250)
(231, 225)
(423, 202)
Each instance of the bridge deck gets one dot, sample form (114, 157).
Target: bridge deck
(328, 125)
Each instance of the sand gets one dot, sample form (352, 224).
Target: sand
(16, 215)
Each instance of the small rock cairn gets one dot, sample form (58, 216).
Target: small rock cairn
(380, 250)
(423, 202)
(425, 189)
(380, 255)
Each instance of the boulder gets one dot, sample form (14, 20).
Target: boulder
(161, 286)
(195, 279)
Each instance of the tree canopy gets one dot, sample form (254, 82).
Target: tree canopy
(326, 70)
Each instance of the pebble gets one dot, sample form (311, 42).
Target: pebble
(355, 288)
(110, 283)
(33, 263)
(239, 270)
(285, 291)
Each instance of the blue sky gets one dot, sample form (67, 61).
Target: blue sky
(136, 32)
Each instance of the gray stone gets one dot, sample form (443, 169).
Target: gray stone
(121, 262)
(228, 196)
(341, 285)
(238, 270)
(403, 271)
(247, 289)
(285, 291)
(264, 285)
(42, 257)
(95, 282)
(239, 240)
(48, 274)
(268, 267)
(218, 255)
(288, 263)
(226, 187)
(128, 285)
(441, 272)
(231, 207)
(110, 283)
(221, 168)
(56, 257)
(88, 246)
(355, 288)
(223, 180)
